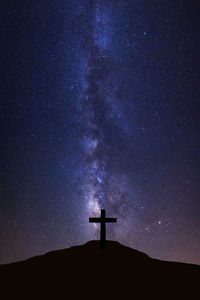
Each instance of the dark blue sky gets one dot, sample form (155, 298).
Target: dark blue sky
(100, 109)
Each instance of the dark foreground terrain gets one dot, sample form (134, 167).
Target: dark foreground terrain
(86, 272)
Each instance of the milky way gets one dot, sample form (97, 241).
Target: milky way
(102, 186)
(100, 109)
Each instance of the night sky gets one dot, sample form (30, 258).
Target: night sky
(100, 109)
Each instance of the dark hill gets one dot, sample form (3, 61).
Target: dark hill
(89, 272)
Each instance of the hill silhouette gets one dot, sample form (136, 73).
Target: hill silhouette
(88, 271)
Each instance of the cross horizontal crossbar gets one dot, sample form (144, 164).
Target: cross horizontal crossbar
(99, 220)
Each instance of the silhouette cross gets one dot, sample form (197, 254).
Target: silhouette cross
(103, 220)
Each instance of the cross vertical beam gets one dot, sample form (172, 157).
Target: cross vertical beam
(103, 230)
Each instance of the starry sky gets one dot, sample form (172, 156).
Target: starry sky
(99, 108)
